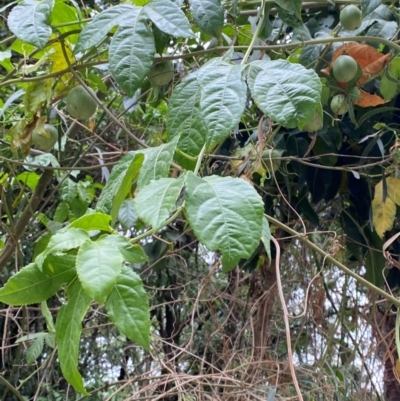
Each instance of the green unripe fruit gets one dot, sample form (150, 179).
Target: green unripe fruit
(315, 124)
(344, 68)
(80, 104)
(161, 73)
(46, 138)
(351, 17)
(339, 105)
(355, 94)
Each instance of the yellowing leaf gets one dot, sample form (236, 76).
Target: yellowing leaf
(383, 212)
(56, 56)
(393, 188)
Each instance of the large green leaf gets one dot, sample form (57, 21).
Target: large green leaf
(287, 93)
(128, 308)
(156, 201)
(92, 221)
(208, 15)
(119, 183)
(29, 21)
(132, 51)
(68, 334)
(169, 18)
(64, 240)
(157, 162)
(98, 265)
(367, 6)
(226, 215)
(293, 6)
(184, 116)
(97, 29)
(222, 100)
(31, 285)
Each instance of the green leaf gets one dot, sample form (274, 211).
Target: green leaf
(30, 179)
(226, 215)
(28, 21)
(169, 18)
(50, 339)
(119, 183)
(382, 23)
(157, 162)
(93, 221)
(35, 349)
(128, 308)
(368, 6)
(293, 6)
(184, 116)
(30, 285)
(223, 99)
(131, 52)
(287, 93)
(98, 265)
(131, 253)
(62, 212)
(64, 14)
(266, 237)
(208, 15)
(127, 215)
(47, 316)
(68, 238)
(156, 201)
(97, 29)
(68, 334)
(390, 81)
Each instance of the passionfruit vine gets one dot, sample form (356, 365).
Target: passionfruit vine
(46, 138)
(351, 17)
(161, 73)
(344, 68)
(80, 104)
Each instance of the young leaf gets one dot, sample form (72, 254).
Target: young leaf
(226, 215)
(119, 183)
(35, 349)
(31, 285)
(208, 15)
(156, 163)
(131, 52)
(63, 240)
(94, 32)
(128, 308)
(93, 221)
(287, 93)
(68, 334)
(169, 18)
(28, 21)
(223, 99)
(98, 265)
(156, 201)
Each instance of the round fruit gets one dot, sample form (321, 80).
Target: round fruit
(354, 94)
(80, 104)
(339, 105)
(344, 68)
(315, 124)
(161, 73)
(46, 138)
(351, 17)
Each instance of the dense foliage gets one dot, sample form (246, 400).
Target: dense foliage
(179, 175)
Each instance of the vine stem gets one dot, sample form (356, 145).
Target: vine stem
(328, 257)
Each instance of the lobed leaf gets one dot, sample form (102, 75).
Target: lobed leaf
(68, 334)
(128, 308)
(226, 215)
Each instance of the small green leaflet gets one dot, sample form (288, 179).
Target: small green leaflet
(68, 334)
(93, 221)
(226, 215)
(29, 21)
(128, 308)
